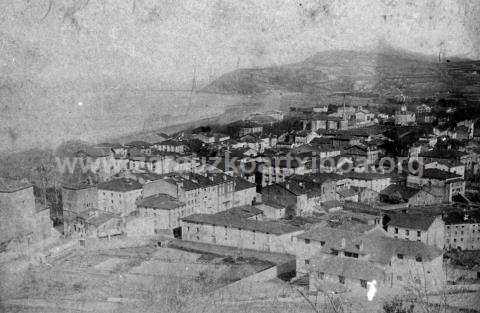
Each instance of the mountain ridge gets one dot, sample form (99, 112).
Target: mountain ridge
(384, 72)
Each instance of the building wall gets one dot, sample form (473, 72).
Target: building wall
(412, 272)
(423, 198)
(277, 194)
(271, 212)
(353, 285)
(79, 200)
(244, 197)
(239, 238)
(374, 184)
(434, 236)
(165, 219)
(17, 214)
(118, 202)
(305, 251)
(462, 236)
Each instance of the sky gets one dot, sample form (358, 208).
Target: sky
(161, 42)
(85, 69)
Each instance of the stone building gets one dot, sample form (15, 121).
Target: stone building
(452, 184)
(22, 222)
(79, 198)
(429, 229)
(462, 230)
(165, 211)
(119, 195)
(301, 197)
(208, 192)
(348, 263)
(234, 231)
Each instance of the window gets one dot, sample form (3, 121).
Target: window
(419, 233)
(399, 278)
(307, 241)
(418, 259)
(307, 261)
(321, 275)
(363, 283)
(400, 256)
(396, 230)
(322, 243)
(341, 279)
(407, 232)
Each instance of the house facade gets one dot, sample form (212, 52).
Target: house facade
(119, 196)
(233, 231)
(428, 229)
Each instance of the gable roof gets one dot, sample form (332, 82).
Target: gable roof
(234, 221)
(403, 191)
(160, 202)
(120, 184)
(434, 173)
(412, 221)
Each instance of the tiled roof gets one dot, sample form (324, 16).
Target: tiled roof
(332, 237)
(381, 248)
(359, 207)
(348, 192)
(366, 176)
(331, 204)
(453, 218)
(97, 217)
(120, 184)
(374, 243)
(244, 211)
(79, 186)
(434, 173)
(160, 202)
(272, 227)
(443, 154)
(147, 176)
(192, 181)
(404, 191)
(412, 221)
(242, 184)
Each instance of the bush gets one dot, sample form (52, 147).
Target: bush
(396, 305)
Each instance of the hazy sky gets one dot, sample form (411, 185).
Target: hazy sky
(151, 41)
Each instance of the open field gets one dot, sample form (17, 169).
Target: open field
(148, 278)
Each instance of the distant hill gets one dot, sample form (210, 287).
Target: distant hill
(386, 73)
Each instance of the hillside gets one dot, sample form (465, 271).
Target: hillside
(386, 73)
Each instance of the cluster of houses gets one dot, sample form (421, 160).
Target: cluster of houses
(319, 191)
